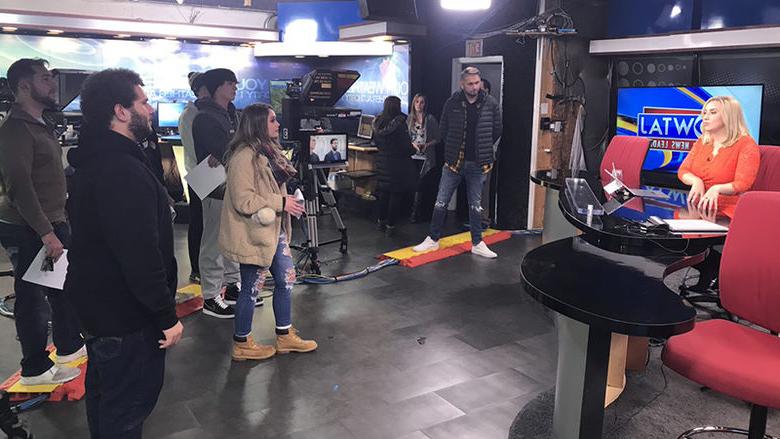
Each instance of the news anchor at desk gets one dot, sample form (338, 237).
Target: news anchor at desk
(723, 162)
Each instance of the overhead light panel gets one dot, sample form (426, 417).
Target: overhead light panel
(122, 36)
(55, 32)
(9, 29)
(466, 5)
(301, 31)
(323, 48)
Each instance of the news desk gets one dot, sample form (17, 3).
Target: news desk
(607, 288)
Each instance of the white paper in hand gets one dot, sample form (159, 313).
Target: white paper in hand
(51, 279)
(203, 179)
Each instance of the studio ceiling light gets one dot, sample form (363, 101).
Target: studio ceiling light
(9, 29)
(466, 5)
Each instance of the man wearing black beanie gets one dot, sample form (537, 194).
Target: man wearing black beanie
(212, 130)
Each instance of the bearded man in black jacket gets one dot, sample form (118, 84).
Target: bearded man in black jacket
(470, 125)
(122, 272)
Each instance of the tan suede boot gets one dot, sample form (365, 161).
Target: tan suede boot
(293, 343)
(249, 350)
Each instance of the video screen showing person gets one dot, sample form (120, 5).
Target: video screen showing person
(328, 149)
(671, 118)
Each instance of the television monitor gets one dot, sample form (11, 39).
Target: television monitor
(328, 150)
(383, 10)
(365, 126)
(168, 114)
(671, 118)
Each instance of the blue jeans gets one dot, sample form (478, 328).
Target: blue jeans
(31, 312)
(124, 378)
(252, 280)
(475, 179)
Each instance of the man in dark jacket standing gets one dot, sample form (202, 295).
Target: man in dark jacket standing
(470, 124)
(212, 130)
(32, 216)
(122, 272)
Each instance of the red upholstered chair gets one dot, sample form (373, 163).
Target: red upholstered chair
(768, 178)
(738, 360)
(628, 154)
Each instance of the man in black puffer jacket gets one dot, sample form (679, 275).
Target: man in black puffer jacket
(470, 125)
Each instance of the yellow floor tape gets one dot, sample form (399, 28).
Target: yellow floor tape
(44, 388)
(445, 242)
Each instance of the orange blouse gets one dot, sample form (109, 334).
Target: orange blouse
(736, 164)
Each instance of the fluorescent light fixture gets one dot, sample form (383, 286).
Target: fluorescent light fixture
(325, 48)
(9, 29)
(170, 38)
(55, 32)
(466, 5)
(676, 10)
(213, 41)
(122, 36)
(402, 41)
(301, 31)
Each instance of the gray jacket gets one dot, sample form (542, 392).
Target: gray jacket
(453, 129)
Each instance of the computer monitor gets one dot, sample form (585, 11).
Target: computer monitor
(366, 126)
(328, 150)
(168, 114)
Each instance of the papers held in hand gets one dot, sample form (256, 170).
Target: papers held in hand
(54, 278)
(203, 179)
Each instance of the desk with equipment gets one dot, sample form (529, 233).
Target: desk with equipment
(607, 289)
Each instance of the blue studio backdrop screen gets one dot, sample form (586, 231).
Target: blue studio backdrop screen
(164, 64)
(671, 118)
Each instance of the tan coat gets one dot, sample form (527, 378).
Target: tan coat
(250, 187)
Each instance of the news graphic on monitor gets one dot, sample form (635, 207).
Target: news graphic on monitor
(365, 126)
(671, 118)
(328, 150)
(168, 114)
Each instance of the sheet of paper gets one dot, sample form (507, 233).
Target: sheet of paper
(51, 279)
(204, 179)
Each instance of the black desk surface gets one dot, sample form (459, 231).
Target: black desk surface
(550, 178)
(619, 293)
(620, 231)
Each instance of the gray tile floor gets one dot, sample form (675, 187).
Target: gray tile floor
(453, 349)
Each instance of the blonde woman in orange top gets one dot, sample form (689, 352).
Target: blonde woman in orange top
(723, 162)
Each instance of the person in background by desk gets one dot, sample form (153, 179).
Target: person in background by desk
(394, 164)
(722, 164)
(424, 132)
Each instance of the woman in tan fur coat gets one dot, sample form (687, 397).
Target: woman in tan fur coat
(255, 230)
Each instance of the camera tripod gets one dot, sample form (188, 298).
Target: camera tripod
(9, 421)
(315, 184)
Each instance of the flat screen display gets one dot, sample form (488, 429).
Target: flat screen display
(365, 127)
(671, 118)
(328, 149)
(168, 114)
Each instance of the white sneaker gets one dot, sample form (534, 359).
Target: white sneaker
(427, 245)
(482, 249)
(64, 359)
(55, 375)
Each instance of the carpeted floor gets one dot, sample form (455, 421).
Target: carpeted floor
(658, 403)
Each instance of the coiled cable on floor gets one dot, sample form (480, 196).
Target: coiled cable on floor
(319, 279)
